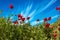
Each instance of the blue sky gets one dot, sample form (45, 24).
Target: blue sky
(35, 9)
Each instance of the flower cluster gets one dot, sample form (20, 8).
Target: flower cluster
(21, 19)
(47, 19)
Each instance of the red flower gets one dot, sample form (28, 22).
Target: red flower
(59, 28)
(16, 22)
(54, 35)
(11, 6)
(28, 18)
(37, 20)
(49, 18)
(23, 19)
(19, 16)
(57, 8)
(47, 25)
(45, 19)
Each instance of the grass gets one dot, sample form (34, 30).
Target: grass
(28, 32)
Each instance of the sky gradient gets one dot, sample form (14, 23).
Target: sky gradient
(35, 9)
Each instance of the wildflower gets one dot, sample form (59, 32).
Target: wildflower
(49, 18)
(47, 25)
(28, 18)
(16, 22)
(45, 19)
(54, 35)
(11, 6)
(19, 16)
(59, 28)
(23, 19)
(57, 8)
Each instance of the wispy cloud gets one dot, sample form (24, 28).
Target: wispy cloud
(32, 13)
(27, 10)
(55, 16)
(40, 10)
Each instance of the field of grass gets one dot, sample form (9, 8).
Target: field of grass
(44, 31)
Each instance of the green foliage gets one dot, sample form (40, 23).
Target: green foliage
(25, 32)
